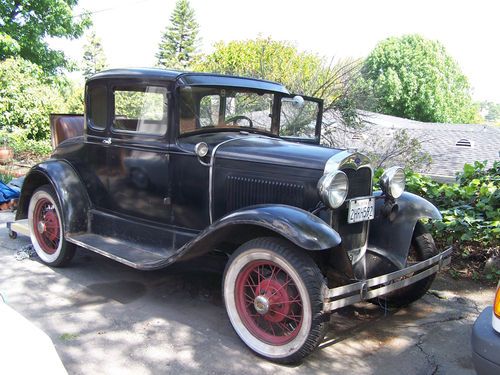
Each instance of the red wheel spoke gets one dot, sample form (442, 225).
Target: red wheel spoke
(250, 297)
(281, 287)
(298, 301)
(46, 225)
(292, 317)
(271, 326)
(268, 302)
(286, 328)
(271, 277)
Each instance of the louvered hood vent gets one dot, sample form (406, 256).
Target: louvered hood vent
(248, 191)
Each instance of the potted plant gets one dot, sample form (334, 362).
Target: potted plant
(6, 152)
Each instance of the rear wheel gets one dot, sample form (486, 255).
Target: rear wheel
(273, 294)
(422, 247)
(46, 228)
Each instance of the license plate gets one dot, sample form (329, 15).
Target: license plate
(361, 210)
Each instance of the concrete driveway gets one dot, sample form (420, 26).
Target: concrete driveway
(106, 318)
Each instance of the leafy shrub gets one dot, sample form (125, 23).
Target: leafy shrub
(471, 214)
(470, 207)
(28, 96)
(18, 140)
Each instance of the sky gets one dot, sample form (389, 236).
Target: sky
(470, 30)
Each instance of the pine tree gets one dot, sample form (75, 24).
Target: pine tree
(178, 44)
(94, 59)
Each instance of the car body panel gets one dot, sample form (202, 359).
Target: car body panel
(485, 345)
(69, 188)
(390, 235)
(20, 336)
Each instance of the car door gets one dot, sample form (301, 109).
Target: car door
(138, 152)
(91, 160)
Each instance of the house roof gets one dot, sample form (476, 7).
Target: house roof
(450, 145)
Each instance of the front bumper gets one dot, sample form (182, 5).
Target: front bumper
(370, 288)
(485, 345)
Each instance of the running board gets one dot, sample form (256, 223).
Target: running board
(141, 257)
(131, 254)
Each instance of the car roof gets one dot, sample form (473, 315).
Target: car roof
(190, 78)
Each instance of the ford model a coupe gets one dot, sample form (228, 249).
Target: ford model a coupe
(171, 166)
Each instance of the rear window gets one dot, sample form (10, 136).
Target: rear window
(98, 108)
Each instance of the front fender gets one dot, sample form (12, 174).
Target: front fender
(296, 225)
(70, 191)
(391, 237)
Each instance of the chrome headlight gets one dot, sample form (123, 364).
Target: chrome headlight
(333, 188)
(392, 182)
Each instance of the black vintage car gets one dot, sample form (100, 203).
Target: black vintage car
(170, 166)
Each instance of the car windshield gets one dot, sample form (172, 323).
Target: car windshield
(204, 107)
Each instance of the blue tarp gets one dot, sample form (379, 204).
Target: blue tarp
(8, 193)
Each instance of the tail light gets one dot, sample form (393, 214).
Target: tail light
(496, 303)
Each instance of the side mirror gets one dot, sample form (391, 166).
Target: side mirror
(298, 101)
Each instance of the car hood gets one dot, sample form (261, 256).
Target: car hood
(262, 149)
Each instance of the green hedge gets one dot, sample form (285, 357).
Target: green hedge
(470, 207)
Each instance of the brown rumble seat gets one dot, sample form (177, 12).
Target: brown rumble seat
(65, 126)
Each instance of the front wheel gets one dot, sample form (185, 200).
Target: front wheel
(273, 294)
(46, 228)
(422, 247)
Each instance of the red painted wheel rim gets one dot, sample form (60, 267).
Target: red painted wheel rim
(46, 226)
(264, 284)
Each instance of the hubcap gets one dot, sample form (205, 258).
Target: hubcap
(261, 304)
(40, 227)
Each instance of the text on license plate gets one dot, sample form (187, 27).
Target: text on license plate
(361, 210)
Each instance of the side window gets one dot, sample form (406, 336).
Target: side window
(209, 110)
(98, 107)
(142, 110)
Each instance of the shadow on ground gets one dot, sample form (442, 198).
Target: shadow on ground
(107, 318)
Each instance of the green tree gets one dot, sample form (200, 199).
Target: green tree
(28, 23)
(415, 78)
(94, 59)
(491, 111)
(179, 42)
(301, 72)
(8, 46)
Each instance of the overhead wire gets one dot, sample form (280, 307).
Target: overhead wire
(84, 13)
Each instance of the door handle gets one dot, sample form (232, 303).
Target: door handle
(106, 141)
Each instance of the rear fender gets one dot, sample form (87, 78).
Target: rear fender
(72, 195)
(300, 227)
(390, 235)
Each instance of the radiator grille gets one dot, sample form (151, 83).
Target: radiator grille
(247, 191)
(360, 182)
(354, 235)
